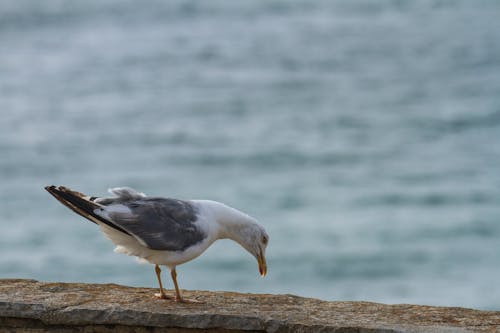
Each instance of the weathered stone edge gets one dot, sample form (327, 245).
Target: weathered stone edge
(76, 312)
(70, 316)
(74, 316)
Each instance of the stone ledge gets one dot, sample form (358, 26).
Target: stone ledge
(77, 307)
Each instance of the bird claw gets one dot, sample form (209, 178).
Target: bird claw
(162, 296)
(188, 301)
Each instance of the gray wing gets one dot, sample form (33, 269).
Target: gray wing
(157, 223)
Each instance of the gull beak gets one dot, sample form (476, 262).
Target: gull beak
(262, 264)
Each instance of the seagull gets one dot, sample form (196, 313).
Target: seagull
(165, 231)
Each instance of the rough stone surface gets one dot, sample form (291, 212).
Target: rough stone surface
(28, 305)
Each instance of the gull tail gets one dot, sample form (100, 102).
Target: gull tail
(81, 204)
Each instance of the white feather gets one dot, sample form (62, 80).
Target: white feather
(126, 193)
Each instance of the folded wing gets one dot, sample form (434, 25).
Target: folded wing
(157, 223)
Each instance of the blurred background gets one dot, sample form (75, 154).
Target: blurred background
(364, 135)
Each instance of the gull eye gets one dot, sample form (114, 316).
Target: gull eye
(264, 240)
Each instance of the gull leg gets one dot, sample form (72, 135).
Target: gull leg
(173, 274)
(178, 297)
(161, 294)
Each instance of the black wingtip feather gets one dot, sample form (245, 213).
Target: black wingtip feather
(75, 201)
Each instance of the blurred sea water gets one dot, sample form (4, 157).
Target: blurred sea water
(364, 135)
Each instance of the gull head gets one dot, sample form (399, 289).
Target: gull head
(243, 229)
(254, 238)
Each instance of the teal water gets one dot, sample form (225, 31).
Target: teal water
(364, 135)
